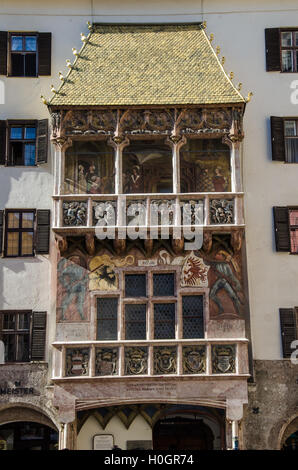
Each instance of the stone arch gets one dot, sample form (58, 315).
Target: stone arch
(13, 412)
(288, 428)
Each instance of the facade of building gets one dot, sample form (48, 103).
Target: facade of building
(117, 328)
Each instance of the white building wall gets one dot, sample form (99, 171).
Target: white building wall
(239, 30)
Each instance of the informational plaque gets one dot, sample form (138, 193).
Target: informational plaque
(103, 442)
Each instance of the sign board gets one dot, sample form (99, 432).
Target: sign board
(103, 442)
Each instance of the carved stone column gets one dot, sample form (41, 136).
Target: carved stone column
(68, 436)
(61, 144)
(176, 142)
(118, 143)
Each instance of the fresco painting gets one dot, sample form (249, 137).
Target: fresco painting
(205, 166)
(89, 168)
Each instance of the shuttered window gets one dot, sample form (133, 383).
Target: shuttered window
(281, 50)
(24, 335)
(289, 329)
(286, 229)
(23, 143)
(284, 139)
(25, 54)
(26, 232)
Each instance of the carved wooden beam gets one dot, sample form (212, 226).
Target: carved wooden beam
(178, 245)
(236, 240)
(148, 244)
(119, 246)
(90, 243)
(61, 243)
(207, 242)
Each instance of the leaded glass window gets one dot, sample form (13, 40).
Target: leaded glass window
(164, 321)
(192, 312)
(164, 284)
(135, 285)
(135, 321)
(107, 309)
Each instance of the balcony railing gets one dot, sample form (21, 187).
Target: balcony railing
(214, 210)
(95, 359)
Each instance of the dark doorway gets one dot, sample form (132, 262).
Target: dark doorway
(28, 436)
(182, 433)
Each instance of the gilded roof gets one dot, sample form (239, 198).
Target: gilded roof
(146, 65)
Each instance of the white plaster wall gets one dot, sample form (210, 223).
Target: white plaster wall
(138, 430)
(239, 30)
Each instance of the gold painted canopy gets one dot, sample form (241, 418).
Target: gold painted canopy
(123, 65)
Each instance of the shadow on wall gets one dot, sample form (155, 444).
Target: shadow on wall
(16, 199)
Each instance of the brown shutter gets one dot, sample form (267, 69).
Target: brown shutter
(288, 329)
(42, 142)
(281, 228)
(38, 336)
(44, 53)
(1, 229)
(2, 142)
(272, 41)
(278, 139)
(3, 52)
(42, 232)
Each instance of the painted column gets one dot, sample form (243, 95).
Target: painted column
(68, 436)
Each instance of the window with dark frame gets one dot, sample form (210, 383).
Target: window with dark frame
(289, 329)
(107, 318)
(289, 51)
(22, 144)
(23, 334)
(281, 50)
(286, 229)
(26, 232)
(23, 55)
(19, 234)
(284, 139)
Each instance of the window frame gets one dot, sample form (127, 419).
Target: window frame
(293, 48)
(150, 301)
(23, 124)
(17, 332)
(23, 52)
(19, 230)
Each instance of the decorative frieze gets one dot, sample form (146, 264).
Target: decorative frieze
(104, 213)
(74, 213)
(171, 122)
(165, 360)
(136, 361)
(222, 211)
(77, 362)
(194, 359)
(106, 361)
(223, 358)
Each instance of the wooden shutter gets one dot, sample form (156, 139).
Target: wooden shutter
(272, 41)
(281, 228)
(2, 142)
(38, 336)
(3, 52)
(42, 245)
(42, 142)
(278, 139)
(44, 53)
(1, 229)
(288, 328)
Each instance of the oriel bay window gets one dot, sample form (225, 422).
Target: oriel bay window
(147, 328)
(148, 309)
